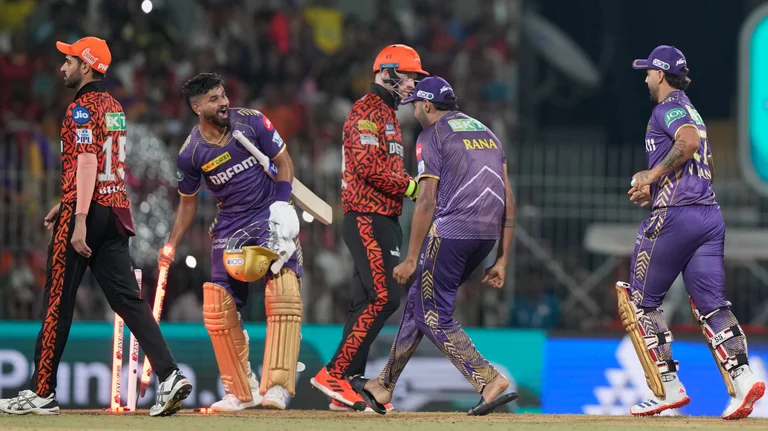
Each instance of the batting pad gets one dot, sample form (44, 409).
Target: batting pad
(229, 343)
(628, 315)
(281, 350)
(706, 330)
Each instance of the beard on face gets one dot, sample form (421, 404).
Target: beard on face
(216, 119)
(421, 116)
(72, 80)
(654, 94)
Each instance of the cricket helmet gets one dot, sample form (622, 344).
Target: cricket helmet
(249, 252)
(400, 57)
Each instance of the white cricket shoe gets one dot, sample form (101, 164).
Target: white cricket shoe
(254, 382)
(275, 398)
(29, 402)
(748, 391)
(170, 393)
(230, 403)
(676, 397)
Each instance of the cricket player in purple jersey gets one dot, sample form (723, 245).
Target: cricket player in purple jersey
(684, 233)
(465, 205)
(254, 236)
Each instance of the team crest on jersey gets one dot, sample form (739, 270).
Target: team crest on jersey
(81, 115)
(179, 175)
(390, 129)
(213, 164)
(83, 136)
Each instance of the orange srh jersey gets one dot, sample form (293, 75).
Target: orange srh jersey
(374, 179)
(95, 123)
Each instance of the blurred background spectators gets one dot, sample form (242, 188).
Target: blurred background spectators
(303, 63)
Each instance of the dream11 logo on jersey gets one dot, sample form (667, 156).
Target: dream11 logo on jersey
(223, 177)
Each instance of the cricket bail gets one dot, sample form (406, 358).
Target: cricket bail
(249, 263)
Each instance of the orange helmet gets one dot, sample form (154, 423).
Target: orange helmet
(400, 57)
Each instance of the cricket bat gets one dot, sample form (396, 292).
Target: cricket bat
(304, 197)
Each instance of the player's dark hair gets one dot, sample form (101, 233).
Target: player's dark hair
(452, 105)
(678, 82)
(95, 73)
(200, 85)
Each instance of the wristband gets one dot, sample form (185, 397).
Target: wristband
(412, 188)
(283, 191)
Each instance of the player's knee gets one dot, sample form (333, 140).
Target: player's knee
(425, 324)
(389, 302)
(710, 310)
(432, 322)
(121, 301)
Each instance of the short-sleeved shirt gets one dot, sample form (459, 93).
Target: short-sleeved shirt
(231, 173)
(468, 160)
(691, 184)
(95, 123)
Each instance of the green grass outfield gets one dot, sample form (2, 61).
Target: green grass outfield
(309, 420)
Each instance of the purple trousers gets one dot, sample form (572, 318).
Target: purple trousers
(444, 265)
(687, 239)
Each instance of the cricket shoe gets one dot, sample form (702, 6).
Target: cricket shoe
(748, 390)
(170, 393)
(230, 403)
(254, 383)
(339, 407)
(275, 398)
(676, 397)
(29, 402)
(337, 389)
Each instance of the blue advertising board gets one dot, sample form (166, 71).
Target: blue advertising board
(604, 376)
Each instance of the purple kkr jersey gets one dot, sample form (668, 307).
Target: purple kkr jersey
(467, 159)
(231, 173)
(691, 184)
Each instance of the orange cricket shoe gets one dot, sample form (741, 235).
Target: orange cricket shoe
(337, 389)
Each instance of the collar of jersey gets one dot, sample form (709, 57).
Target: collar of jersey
(384, 94)
(673, 95)
(98, 86)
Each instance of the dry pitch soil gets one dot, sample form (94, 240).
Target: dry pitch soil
(306, 420)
